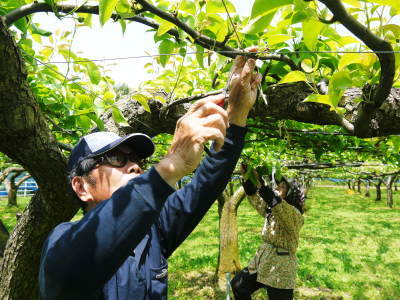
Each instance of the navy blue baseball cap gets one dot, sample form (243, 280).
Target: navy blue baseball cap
(98, 143)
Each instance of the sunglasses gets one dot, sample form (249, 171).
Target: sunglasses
(119, 159)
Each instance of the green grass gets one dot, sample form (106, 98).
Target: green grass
(7, 214)
(349, 249)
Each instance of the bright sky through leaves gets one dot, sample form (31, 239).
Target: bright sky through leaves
(109, 42)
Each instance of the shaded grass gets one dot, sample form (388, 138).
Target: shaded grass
(7, 214)
(349, 249)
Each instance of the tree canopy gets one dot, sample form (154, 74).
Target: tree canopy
(330, 90)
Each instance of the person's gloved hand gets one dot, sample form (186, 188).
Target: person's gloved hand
(249, 187)
(269, 196)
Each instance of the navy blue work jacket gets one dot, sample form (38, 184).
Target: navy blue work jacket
(119, 249)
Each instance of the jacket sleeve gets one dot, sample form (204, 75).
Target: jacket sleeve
(289, 216)
(185, 208)
(78, 258)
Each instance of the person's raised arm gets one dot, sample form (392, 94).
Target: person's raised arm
(185, 208)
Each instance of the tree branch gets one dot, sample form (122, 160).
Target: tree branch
(198, 38)
(383, 50)
(192, 98)
(9, 170)
(209, 43)
(19, 182)
(330, 21)
(35, 7)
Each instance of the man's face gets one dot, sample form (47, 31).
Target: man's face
(109, 175)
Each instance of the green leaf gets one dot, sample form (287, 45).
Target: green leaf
(355, 3)
(166, 47)
(393, 3)
(22, 25)
(366, 59)
(278, 38)
(37, 30)
(83, 101)
(84, 121)
(293, 76)
(317, 98)
(88, 19)
(200, 55)
(340, 81)
(311, 30)
(106, 8)
(119, 117)
(392, 27)
(307, 65)
(142, 99)
(123, 25)
(258, 24)
(108, 97)
(188, 6)
(99, 122)
(262, 7)
(164, 27)
(216, 6)
(93, 72)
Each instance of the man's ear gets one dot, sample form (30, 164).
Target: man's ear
(80, 188)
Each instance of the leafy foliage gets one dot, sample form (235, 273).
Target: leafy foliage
(74, 102)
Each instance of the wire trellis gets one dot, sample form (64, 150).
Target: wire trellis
(221, 52)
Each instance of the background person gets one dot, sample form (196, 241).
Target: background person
(274, 266)
(134, 219)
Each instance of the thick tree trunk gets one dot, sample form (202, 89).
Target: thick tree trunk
(228, 258)
(349, 184)
(26, 139)
(378, 190)
(12, 196)
(367, 193)
(3, 237)
(359, 185)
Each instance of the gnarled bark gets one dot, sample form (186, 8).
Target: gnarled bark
(26, 139)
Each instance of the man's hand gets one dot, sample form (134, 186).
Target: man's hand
(242, 89)
(204, 121)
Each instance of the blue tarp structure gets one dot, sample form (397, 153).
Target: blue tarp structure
(27, 188)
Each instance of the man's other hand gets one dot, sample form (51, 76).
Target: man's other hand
(242, 89)
(205, 121)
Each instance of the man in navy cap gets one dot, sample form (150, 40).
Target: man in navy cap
(135, 220)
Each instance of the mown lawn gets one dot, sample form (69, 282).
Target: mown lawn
(7, 214)
(349, 249)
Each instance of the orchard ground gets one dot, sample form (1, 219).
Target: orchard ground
(349, 248)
